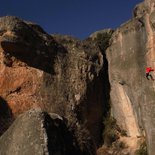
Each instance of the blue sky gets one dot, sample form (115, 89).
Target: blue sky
(78, 18)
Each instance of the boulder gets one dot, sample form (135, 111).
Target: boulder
(39, 133)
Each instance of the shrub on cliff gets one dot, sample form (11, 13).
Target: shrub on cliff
(142, 150)
(103, 39)
(110, 133)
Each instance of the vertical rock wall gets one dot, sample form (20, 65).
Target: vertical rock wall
(132, 95)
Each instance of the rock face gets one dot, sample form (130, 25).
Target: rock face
(57, 74)
(68, 81)
(132, 49)
(31, 134)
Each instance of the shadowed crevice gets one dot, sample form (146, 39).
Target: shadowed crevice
(42, 59)
(6, 116)
(60, 139)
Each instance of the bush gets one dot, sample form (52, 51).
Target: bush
(102, 40)
(110, 133)
(142, 150)
(121, 145)
(123, 132)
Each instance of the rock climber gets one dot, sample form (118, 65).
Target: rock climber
(148, 70)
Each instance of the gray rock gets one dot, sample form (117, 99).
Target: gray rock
(36, 132)
(131, 51)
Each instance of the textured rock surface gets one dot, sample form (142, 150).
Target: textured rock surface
(83, 74)
(63, 75)
(131, 51)
(36, 132)
(58, 74)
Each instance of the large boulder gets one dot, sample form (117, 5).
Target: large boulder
(39, 133)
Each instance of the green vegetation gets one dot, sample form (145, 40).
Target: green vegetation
(110, 133)
(123, 132)
(102, 40)
(119, 145)
(142, 150)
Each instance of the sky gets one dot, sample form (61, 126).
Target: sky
(78, 18)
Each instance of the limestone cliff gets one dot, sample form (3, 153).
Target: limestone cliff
(132, 95)
(66, 83)
(58, 74)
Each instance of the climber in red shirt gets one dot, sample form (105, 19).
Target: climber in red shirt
(148, 70)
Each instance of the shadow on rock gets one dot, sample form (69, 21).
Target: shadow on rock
(42, 59)
(60, 139)
(6, 117)
(28, 43)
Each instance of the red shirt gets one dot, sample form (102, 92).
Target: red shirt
(149, 69)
